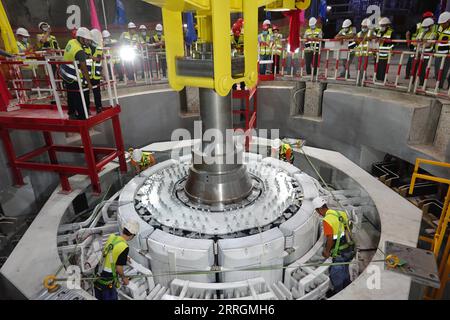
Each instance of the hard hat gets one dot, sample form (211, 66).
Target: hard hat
(319, 202)
(275, 27)
(22, 32)
(347, 23)
(41, 24)
(365, 23)
(444, 17)
(428, 14)
(428, 22)
(267, 21)
(97, 37)
(137, 155)
(159, 27)
(106, 34)
(132, 226)
(84, 33)
(142, 27)
(312, 21)
(384, 21)
(240, 21)
(131, 25)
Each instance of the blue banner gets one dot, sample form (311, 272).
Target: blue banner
(323, 10)
(191, 34)
(121, 17)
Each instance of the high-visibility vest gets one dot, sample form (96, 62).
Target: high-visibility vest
(158, 39)
(130, 39)
(362, 49)
(352, 43)
(385, 47)
(332, 218)
(23, 47)
(277, 44)
(144, 40)
(265, 44)
(443, 35)
(237, 44)
(113, 248)
(310, 33)
(428, 35)
(67, 71)
(52, 42)
(286, 153)
(95, 72)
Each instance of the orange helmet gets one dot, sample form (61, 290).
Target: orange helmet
(236, 29)
(428, 14)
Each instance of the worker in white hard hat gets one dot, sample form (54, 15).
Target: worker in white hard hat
(427, 35)
(268, 23)
(129, 42)
(158, 43)
(144, 37)
(347, 34)
(443, 48)
(113, 46)
(22, 40)
(362, 50)
(95, 68)
(338, 244)
(384, 35)
(114, 257)
(45, 40)
(130, 37)
(75, 52)
(313, 36)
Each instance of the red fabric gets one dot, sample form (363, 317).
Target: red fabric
(5, 95)
(327, 229)
(294, 29)
(95, 23)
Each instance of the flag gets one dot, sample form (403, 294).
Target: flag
(121, 17)
(191, 35)
(95, 24)
(294, 28)
(323, 10)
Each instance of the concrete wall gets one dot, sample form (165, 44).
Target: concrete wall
(147, 116)
(355, 120)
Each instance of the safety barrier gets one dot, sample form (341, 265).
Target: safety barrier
(334, 61)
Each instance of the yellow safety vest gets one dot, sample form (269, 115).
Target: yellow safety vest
(131, 39)
(95, 67)
(385, 47)
(23, 47)
(112, 250)
(265, 45)
(277, 44)
(312, 33)
(67, 71)
(352, 43)
(157, 39)
(53, 43)
(145, 40)
(237, 44)
(444, 35)
(362, 49)
(429, 35)
(286, 153)
(332, 218)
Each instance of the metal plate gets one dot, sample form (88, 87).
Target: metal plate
(420, 264)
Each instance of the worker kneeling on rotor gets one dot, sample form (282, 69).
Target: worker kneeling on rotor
(339, 244)
(114, 257)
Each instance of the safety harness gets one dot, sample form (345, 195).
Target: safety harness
(108, 251)
(349, 244)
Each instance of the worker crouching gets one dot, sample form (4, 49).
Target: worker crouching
(339, 244)
(114, 257)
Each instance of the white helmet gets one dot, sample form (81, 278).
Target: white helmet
(384, 21)
(444, 17)
(319, 202)
(159, 27)
(83, 32)
(131, 25)
(22, 32)
(347, 23)
(312, 21)
(97, 37)
(106, 34)
(132, 226)
(267, 21)
(41, 24)
(137, 155)
(365, 23)
(142, 27)
(428, 22)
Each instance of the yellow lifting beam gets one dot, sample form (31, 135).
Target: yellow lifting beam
(213, 22)
(7, 33)
(436, 243)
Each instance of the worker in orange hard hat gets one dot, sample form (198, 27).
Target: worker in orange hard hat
(277, 48)
(237, 45)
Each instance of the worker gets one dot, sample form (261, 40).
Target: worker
(141, 160)
(286, 153)
(428, 33)
(114, 257)
(75, 52)
(22, 40)
(347, 34)
(442, 47)
(95, 72)
(144, 37)
(265, 49)
(362, 50)
(131, 36)
(384, 35)
(159, 43)
(313, 36)
(112, 45)
(269, 26)
(237, 46)
(45, 40)
(338, 244)
(277, 49)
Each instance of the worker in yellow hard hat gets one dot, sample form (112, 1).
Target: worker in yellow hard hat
(114, 257)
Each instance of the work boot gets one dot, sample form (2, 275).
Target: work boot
(99, 110)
